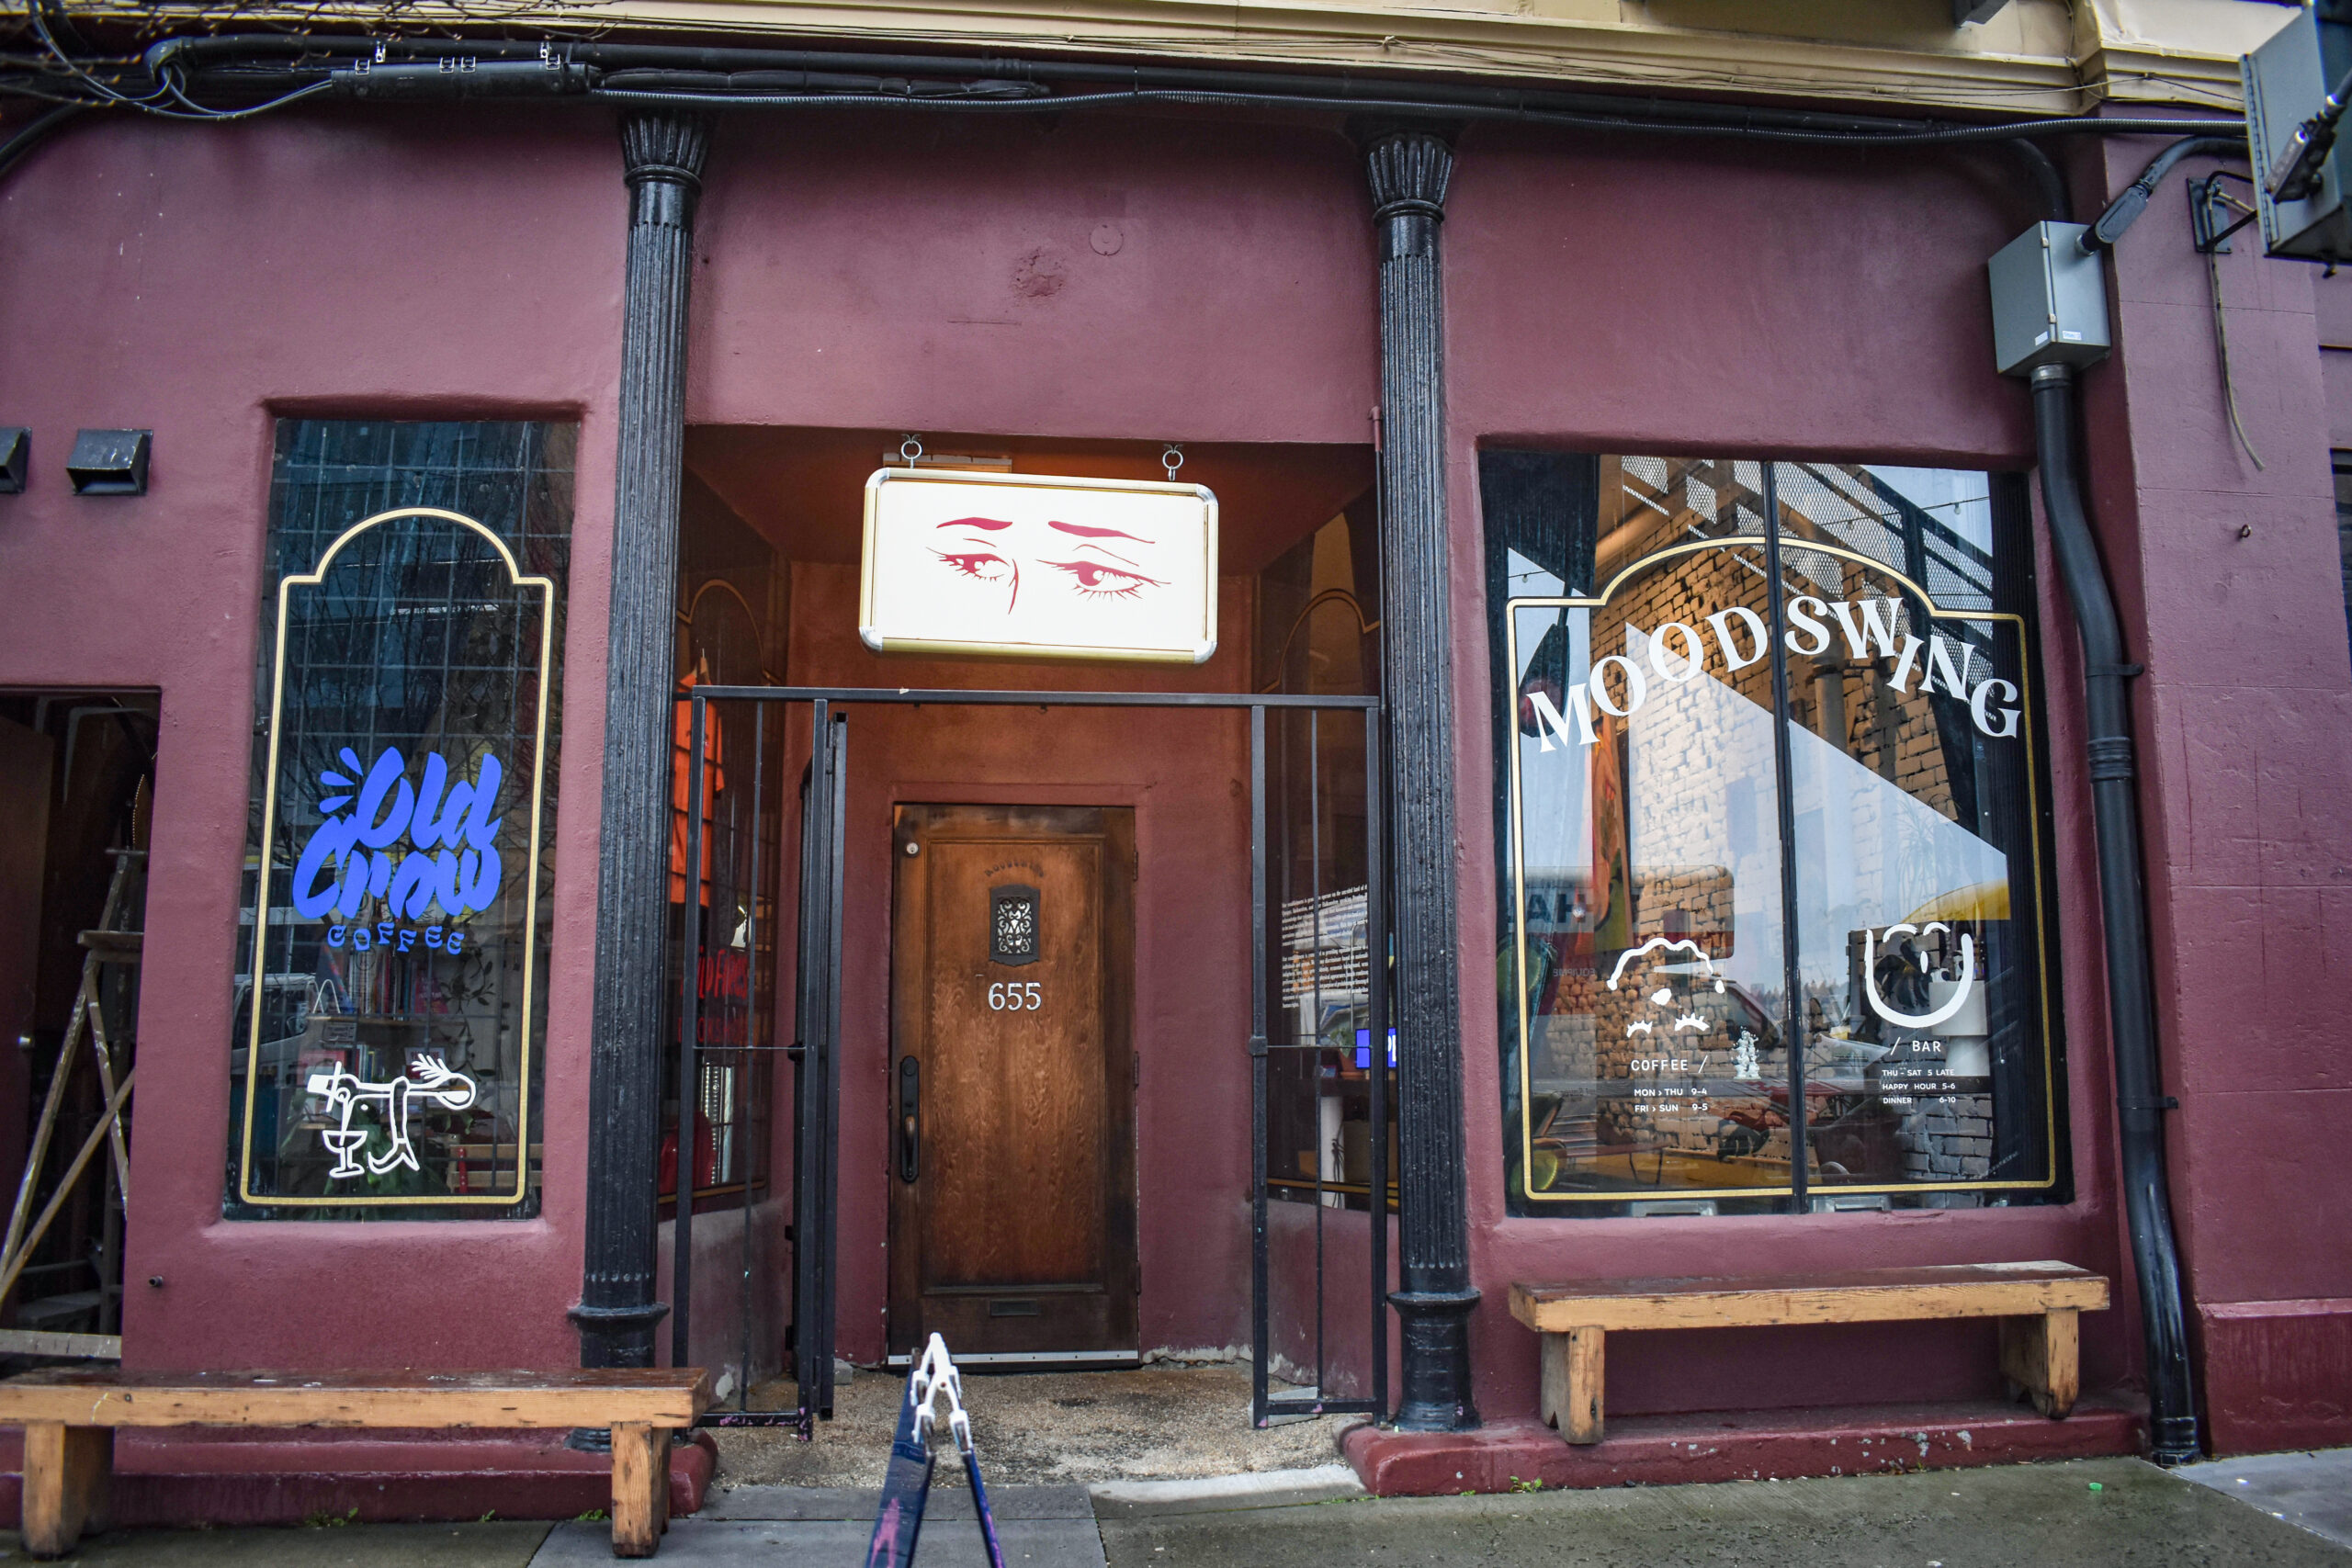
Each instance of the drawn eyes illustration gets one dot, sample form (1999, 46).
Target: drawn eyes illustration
(1097, 580)
(985, 565)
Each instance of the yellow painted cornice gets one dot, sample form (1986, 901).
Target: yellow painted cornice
(2037, 57)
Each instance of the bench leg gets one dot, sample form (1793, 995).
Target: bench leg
(641, 1488)
(2043, 1356)
(69, 1473)
(1572, 1379)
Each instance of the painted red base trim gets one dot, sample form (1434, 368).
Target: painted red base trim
(187, 1478)
(2278, 1375)
(1746, 1445)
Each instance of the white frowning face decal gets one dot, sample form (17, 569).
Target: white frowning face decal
(1668, 1015)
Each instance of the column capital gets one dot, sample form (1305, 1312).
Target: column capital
(1409, 169)
(664, 146)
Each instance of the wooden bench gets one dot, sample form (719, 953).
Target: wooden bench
(2037, 1303)
(69, 1414)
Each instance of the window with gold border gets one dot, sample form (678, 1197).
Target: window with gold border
(1772, 829)
(397, 911)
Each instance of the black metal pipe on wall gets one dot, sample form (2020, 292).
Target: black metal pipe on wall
(1386, 90)
(2131, 993)
(2156, 1252)
(445, 69)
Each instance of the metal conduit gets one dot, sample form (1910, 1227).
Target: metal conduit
(2155, 1258)
(534, 70)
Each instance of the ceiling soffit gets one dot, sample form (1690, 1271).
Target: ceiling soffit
(2032, 57)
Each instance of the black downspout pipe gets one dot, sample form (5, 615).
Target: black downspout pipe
(2140, 1104)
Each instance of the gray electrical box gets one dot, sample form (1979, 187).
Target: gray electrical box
(2049, 300)
(2285, 83)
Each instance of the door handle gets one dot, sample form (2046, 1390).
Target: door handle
(910, 1118)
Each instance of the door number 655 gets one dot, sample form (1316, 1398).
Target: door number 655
(1016, 996)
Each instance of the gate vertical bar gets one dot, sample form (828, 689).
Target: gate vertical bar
(817, 1350)
(797, 1053)
(836, 822)
(754, 1062)
(812, 1276)
(1409, 170)
(1258, 1064)
(688, 1163)
(616, 1313)
(1376, 963)
(1315, 1010)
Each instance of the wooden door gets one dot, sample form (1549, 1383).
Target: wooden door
(1012, 1214)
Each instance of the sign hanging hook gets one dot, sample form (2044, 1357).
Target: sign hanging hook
(910, 449)
(1171, 458)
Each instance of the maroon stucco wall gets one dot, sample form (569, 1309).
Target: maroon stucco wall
(931, 273)
(194, 280)
(1689, 298)
(1130, 279)
(2245, 720)
(1145, 279)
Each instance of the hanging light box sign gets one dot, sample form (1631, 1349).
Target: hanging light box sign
(1027, 566)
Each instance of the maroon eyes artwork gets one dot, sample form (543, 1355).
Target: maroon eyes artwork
(996, 551)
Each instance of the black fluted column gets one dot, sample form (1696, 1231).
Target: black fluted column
(616, 1312)
(1408, 172)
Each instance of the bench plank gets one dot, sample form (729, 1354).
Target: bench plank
(76, 1397)
(1860, 1295)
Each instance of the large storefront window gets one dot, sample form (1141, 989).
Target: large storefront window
(1773, 925)
(390, 980)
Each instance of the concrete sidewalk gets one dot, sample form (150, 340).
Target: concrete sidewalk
(2089, 1514)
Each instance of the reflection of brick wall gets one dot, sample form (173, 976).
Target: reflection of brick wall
(1678, 1110)
(1948, 1142)
(1690, 798)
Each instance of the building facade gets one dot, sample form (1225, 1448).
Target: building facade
(1725, 930)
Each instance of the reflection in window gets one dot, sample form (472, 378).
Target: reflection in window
(731, 593)
(1317, 631)
(390, 1018)
(1732, 819)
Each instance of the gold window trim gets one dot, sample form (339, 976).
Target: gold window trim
(312, 578)
(2033, 833)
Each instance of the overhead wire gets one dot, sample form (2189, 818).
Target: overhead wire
(188, 70)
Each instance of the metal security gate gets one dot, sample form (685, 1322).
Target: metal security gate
(815, 1054)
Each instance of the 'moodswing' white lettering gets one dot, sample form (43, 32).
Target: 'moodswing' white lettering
(1869, 629)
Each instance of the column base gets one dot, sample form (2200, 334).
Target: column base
(617, 1335)
(1435, 1328)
